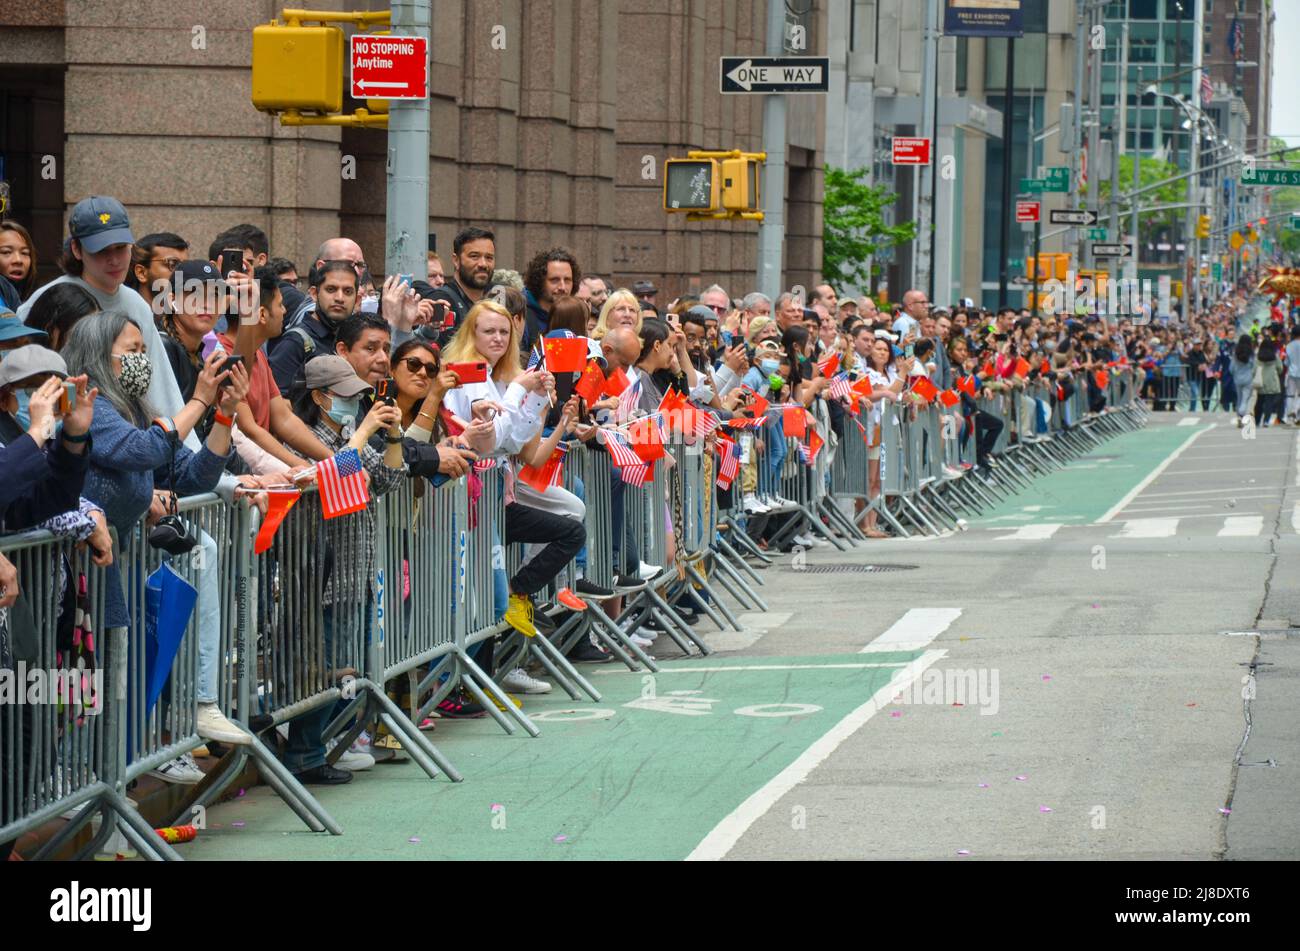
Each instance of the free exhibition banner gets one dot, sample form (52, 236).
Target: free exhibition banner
(982, 18)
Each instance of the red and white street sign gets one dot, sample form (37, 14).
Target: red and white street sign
(390, 67)
(911, 151)
(1027, 211)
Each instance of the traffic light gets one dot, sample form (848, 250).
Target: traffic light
(740, 183)
(691, 185)
(298, 68)
(1203, 226)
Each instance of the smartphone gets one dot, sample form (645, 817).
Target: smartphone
(68, 398)
(405, 279)
(442, 315)
(469, 372)
(230, 364)
(386, 392)
(232, 259)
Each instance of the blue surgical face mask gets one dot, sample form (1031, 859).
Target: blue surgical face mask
(344, 410)
(770, 366)
(23, 415)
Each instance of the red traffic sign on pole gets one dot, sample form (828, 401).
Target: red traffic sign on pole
(911, 151)
(390, 67)
(1027, 211)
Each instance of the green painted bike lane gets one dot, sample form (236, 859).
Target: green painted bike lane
(646, 773)
(1087, 488)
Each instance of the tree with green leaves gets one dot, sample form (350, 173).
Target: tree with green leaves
(854, 226)
(1170, 193)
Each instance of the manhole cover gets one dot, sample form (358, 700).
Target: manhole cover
(848, 569)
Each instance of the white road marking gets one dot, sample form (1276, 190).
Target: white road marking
(1295, 517)
(1031, 533)
(914, 630)
(1148, 528)
(723, 670)
(1190, 421)
(1241, 525)
(1152, 475)
(1186, 472)
(1164, 495)
(724, 836)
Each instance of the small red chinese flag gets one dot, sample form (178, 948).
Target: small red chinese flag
(757, 405)
(861, 387)
(949, 398)
(565, 354)
(280, 501)
(616, 383)
(924, 388)
(815, 443)
(966, 384)
(794, 421)
(1102, 378)
(987, 369)
(1022, 367)
(830, 365)
(646, 440)
(1046, 367)
(591, 383)
(547, 475)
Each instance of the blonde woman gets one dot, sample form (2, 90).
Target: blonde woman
(622, 309)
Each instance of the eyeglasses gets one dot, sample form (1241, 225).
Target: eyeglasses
(415, 365)
(717, 309)
(170, 264)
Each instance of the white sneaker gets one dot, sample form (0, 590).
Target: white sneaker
(753, 506)
(778, 501)
(352, 759)
(520, 681)
(649, 572)
(818, 542)
(182, 771)
(803, 541)
(641, 641)
(211, 724)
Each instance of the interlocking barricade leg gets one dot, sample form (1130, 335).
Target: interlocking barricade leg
(63, 702)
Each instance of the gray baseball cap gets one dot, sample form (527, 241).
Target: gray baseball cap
(98, 222)
(30, 361)
(336, 375)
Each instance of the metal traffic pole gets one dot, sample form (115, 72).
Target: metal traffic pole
(771, 232)
(407, 220)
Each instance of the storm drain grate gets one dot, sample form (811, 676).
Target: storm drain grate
(848, 569)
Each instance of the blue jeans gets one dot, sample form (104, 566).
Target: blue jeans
(306, 748)
(627, 557)
(207, 611)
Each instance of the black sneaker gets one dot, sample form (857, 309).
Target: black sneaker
(324, 775)
(542, 621)
(588, 653)
(626, 583)
(589, 589)
(460, 706)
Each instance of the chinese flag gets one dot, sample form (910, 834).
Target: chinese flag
(1022, 367)
(1102, 378)
(1060, 393)
(591, 383)
(794, 421)
(646, 440)
(280, 501)
(616, 383)
(758, 405)
(1046, 367)
(565, 354)
(949, 398)
(829, 365)
(924, 388)
(547, 475)
(987, 369)
(815, 444)
(966, 384)
(862, 387)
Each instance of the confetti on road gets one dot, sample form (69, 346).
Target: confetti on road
(1047, 676)
(1225, 811)
(241, 792)
(1044, 808)
(237, 825)
(414, 839)
(963, 851)
(984, 785)
(1021, 779)
(896, 714)
(560, 838)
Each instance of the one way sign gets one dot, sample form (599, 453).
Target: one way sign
(754, 74)
(1072, 216)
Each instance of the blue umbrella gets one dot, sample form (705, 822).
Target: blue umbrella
(169, 604)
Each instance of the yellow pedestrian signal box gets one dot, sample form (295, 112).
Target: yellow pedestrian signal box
(740, 184)
(714, 185)
(1050, 266)
(298, 68)
(691, 185)
(1203, 226)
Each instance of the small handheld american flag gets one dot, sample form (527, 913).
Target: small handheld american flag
(342, 484)
(627, 402)
(730, 465)
(631, 469)
(839, 388)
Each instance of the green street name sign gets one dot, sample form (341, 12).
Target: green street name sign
(1270, 176)
(1097, 234)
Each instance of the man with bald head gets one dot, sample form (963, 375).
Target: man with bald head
(297, 305)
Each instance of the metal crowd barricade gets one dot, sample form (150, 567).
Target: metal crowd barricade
(62, 752)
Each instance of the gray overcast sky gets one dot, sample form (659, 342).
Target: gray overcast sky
(1285, 121)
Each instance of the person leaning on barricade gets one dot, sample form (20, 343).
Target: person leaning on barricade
(515, 401)
(330, 404)
(134, 452)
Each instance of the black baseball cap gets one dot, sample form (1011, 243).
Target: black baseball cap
(191, 272)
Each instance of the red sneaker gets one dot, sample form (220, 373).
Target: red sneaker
(570, 600)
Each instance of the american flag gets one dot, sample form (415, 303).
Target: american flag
(627, 402)
(1207, 88)
(342, 485)
(730, 466)
(705, 423)
(632, 470)
(483, 465)
(803, 454)
(839, 387)
(1237, 39)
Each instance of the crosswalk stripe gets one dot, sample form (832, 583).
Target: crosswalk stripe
(1189, 421)
(1295, 517)
(1241, 525)
(1031, 533)
(1148, 528)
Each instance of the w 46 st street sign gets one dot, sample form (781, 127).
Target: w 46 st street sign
(769, 74)
(1270, 176)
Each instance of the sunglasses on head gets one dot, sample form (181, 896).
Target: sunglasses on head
(415, 365)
